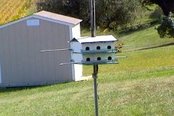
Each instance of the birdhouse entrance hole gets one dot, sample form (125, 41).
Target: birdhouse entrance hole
(88, 59)
(109, 58)
(99, 58)
(87, 48)
(109, 47)
(98, 48)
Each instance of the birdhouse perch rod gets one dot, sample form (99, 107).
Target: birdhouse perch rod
(95, 66)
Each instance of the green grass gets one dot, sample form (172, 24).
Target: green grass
(141, 84)
(144, 39)
(136, 97)
(144, 63)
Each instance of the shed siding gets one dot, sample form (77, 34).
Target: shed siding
(23, 64)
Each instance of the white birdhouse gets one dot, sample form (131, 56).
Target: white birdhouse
(94, 50)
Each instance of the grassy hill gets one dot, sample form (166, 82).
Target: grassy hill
(14, 9)
(141, 84)
(144, 39)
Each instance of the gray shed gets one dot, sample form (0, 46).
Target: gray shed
(22, 63)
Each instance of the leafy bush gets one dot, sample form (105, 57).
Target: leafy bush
(166, 28)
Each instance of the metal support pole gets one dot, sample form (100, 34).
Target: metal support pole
(95, 72)
(95, 66)
(93, 18)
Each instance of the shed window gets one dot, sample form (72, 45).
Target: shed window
(33, 22)
(109, 58)
(109, 47)
(88, 59)
(98, 48)
(98, 58)
(87, 48)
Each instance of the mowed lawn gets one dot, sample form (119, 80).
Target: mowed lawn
(141, 84)
(146, 38)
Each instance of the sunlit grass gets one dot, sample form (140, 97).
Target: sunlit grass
(141, 84)
(153, 96)
(144, 60)
(144, 39)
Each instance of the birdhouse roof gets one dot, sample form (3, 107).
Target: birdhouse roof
(103, 38)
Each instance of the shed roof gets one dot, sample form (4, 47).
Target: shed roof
(103, 38)
(62, 19)
(58, 17)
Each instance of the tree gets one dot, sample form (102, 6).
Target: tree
(117, 12)
(166, 5)
(166, 28)
(109, 13)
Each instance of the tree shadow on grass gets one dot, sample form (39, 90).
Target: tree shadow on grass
(163, 45)
(151, 47)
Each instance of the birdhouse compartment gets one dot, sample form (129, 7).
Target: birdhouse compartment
(99, 58)
(98, 47)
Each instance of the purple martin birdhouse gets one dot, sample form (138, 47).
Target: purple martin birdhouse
(94, 50)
